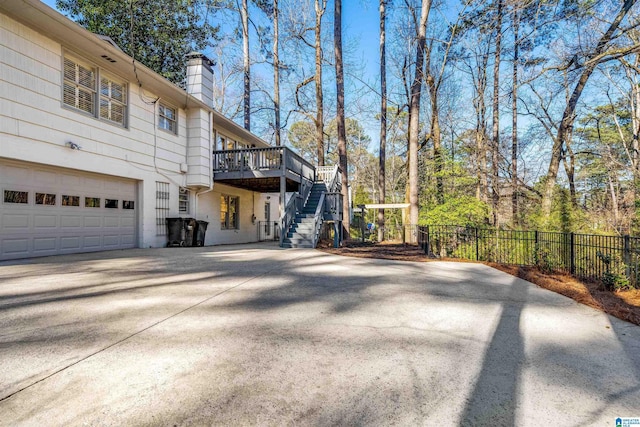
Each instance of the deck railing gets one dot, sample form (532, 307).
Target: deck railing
(262, 159)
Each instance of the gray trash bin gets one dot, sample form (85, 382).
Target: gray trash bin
(201, 231)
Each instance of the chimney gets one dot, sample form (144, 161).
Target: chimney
(200, 77)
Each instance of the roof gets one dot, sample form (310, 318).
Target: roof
(49, 22)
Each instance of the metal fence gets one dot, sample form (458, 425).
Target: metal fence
(587, 256)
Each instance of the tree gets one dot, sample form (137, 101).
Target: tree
(276, 73)
(495, 149)
(320, 7)
(383, 119)
(414, 110)
(602, 52)
(435, 68)
(343, 165)
(514, 115)
(157, 33)
(302, 137)
(246, 64)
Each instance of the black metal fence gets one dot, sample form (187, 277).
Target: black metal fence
(587, 256)
(268, 231)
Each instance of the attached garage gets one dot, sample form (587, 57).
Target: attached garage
(48, 211)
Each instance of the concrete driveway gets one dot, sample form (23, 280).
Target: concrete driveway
(254, 334)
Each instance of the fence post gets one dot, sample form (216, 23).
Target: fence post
(428, 249)
(536, 261)
(572, 259)
(626, 256)
(477, 244)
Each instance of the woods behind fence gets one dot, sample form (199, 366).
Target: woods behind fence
(612, 260)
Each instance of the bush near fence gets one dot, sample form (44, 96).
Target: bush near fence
(612, 260)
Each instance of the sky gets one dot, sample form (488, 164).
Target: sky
(361, 32)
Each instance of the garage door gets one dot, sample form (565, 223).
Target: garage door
(49, 211)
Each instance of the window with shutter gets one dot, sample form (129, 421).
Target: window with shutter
(112, 101)
(80, 91)
(79, 86)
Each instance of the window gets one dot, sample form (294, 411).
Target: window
(229, 212)
(81, 92)
(162, 207)
(128, 204)
(183, 200)
(92, 202)
(79, 86)
(167, 119)
(11, 196)
(45, 199)
(113, 101)
(70, 200)
(111, 203)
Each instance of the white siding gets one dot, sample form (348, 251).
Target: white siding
(36, 127)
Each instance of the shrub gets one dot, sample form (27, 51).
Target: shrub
(615, 277)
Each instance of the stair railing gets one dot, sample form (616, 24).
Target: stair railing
(318, 218)
(290, 211)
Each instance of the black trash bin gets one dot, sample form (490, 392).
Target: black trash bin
(201, 231)
(175, 232)
(190, 231)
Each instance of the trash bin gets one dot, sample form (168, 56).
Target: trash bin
(201, 231)
(175, 232)
(190, 228)
(181, 231)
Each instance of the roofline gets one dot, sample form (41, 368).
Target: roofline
(36, 15)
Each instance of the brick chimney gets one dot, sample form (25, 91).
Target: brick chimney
(200, 77)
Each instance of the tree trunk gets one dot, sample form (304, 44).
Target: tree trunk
(495, 180)
(319, 122)
(569, 161)
(436, 137)
(343, 166)
(414, 113)
(635, 149)
(568, 117)
(482, 189)
(244, 14)
(514, 120)
(383, 120)
(276, 73)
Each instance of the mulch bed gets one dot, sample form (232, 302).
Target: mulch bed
(624, 305)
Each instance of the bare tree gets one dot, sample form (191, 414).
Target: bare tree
(343, 165)
(514, 117)
(244, 14)
(276, 73)
(320, 7)
(495, 139)
(383, 119)
(414, 110)
(599, 54)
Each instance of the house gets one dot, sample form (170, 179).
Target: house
(97, 150)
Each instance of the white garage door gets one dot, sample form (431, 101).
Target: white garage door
(48, 211)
